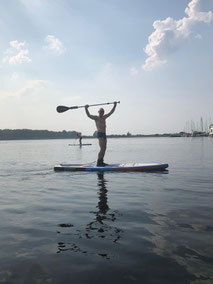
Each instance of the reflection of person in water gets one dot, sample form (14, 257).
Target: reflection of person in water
(103, 214)
(100, 227)
(102, 204)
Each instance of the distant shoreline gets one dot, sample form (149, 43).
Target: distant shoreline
(29, 134)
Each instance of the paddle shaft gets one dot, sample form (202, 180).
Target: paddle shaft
(65, 108)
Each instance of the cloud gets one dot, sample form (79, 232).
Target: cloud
(133, 71)
(19, 58)
(32, 87)
(16, 54)
(54, 44)
(17, 45)
(170, 34)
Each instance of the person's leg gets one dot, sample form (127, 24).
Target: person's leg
(102, 145)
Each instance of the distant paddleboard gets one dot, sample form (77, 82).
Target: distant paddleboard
(125, 167)
(80, 145)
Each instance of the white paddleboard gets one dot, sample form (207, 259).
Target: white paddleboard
(124, 167)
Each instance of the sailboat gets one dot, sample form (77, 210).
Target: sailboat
(211, 130)
(200, 133)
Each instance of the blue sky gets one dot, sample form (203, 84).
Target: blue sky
(154, 56)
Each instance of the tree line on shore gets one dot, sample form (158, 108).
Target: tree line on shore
(29, 134)
(22, 134)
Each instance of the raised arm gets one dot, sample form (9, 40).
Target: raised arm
(112, 110)
(88, 113)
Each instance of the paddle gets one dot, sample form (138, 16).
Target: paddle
(65, 108)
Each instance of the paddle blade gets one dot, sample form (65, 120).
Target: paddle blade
(62, 109)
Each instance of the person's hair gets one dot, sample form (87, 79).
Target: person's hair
(101, 110)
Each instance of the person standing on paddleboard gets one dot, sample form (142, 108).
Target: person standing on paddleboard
(79, 136)
(100, 122)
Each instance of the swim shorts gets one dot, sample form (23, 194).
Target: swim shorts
(101, 135)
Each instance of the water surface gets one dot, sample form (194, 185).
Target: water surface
(111, 227)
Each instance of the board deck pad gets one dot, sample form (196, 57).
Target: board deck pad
(113, 167)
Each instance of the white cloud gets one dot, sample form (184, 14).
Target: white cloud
(54, 44)
(16, 54)
(32, 87)
(133, 71)
(17, 45)
(19, 58)
(170, 34)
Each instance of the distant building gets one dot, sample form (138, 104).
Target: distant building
(211, 130)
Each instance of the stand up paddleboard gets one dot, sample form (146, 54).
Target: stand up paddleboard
(125, 167)
(80, 145)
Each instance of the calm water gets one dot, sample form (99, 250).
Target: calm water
(106, 228)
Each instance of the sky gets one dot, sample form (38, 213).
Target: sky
(155, 57)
